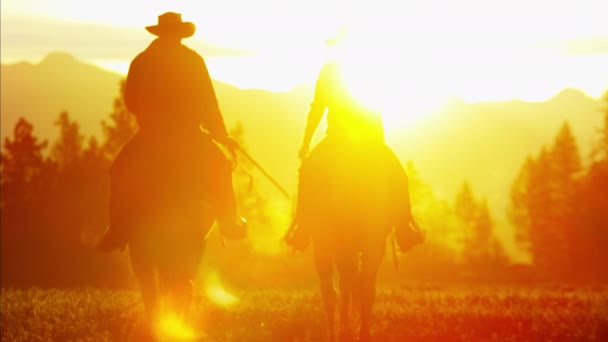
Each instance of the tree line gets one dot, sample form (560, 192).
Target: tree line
(54, 202)
(559, 208)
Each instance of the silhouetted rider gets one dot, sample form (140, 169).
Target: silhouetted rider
(169, 90)
(352, 129)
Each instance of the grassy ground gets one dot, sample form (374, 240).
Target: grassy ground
(420, 314)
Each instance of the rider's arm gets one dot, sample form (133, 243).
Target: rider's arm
(130, 92)
(317, 110)
(211, 119)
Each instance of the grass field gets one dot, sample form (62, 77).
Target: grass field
(422, 313)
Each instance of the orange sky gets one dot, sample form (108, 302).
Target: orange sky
(476, 50)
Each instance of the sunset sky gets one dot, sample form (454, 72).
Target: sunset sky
(476, 50)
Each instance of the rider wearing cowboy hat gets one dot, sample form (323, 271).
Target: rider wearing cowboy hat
(169, 90)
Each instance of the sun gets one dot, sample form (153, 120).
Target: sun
(386, 84)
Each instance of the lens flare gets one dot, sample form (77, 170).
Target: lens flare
(217, 293)
(171, 328)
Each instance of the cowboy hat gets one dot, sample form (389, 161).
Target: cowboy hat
(171, 23)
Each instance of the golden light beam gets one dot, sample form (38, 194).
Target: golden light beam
(216, 292)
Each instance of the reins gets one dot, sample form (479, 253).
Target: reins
(265, 173)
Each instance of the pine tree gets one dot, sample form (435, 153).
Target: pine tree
(593, 198)
(544, 206)
(483, 228)
(565, 159)
(22, 157)
(466, 210)
(68, 149)
(120, 129)
(547, 237)
(566, 171)
(22, 181)
(22, 165)
(465, 205)
(519, 208)
(482, 252)
(602, 144)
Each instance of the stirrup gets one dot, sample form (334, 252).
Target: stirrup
(297, 237)
(409, 236)
(110, 242)
(236, 230)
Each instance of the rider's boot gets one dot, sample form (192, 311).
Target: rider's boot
(297, 236)
(406, 231)
(111, 241)
(231, 225)
(408, 234)
(233, 228)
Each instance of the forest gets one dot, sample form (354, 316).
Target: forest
(54, 205)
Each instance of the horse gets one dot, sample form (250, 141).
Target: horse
(349, 211)
(169, 214)
(165, 250)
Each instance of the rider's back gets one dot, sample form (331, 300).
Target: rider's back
(166, 90)
(347, 118)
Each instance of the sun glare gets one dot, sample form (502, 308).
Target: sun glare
(419, 65)
(385, 83)
(118, 66)
(216, 292)
(171, 328)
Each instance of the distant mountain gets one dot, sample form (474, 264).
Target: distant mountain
(484, 143)
(59, 82)
(39, 92)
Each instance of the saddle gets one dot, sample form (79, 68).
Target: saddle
(147, 176)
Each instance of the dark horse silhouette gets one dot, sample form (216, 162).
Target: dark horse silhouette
(169, 218)
(166, 179)
(349, 216)
(171, 256)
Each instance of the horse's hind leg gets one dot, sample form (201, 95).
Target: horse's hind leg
(367, 290)
(178, 290)
(177, 274)
(347, 270)
(324, 266)
(146, 277)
